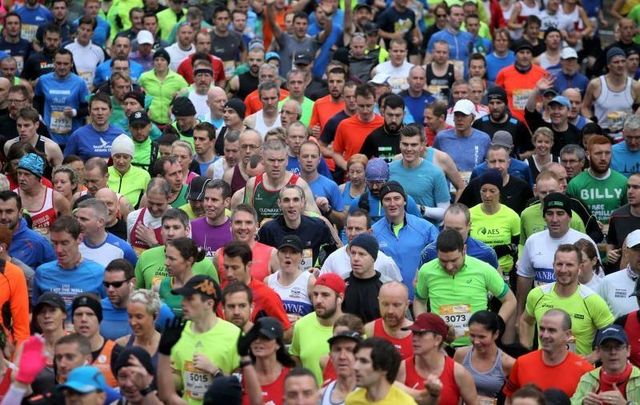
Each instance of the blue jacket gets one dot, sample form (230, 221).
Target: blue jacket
(30, 247)
(475, 248)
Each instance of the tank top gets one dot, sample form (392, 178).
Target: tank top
(154, 358)
(237, 180)
(450, 393)
(573, 17)
(272, 393)
(506, 13)
(632, 327)
(103, 362)
(329, 373)
(248, 83)
(43, 218)
(610, 104)
(440, 84)
(261, 127)
(259, 268)
(326, 396)
(526, 11)
(266, 201)
(490, 382)
(545, 63)
(404, 345)
(138, 245)
(295, 296)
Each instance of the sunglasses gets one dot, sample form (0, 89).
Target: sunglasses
(114, 284)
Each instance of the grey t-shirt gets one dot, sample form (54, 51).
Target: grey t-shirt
(289, 46)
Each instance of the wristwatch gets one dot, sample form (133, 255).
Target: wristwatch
(146, 391)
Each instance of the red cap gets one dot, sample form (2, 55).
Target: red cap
(333, 281)
(429, 322)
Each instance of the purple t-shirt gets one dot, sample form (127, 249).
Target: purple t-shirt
(210, 237)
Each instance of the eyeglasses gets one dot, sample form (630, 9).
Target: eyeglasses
(114, 284)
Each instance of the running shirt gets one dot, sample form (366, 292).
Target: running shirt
(265, 201)
(310, 343)
(210, 237)
(112, 248)
(519, 86)
(44, 217)
(395, 396)
(601, 196)
(351, 134)
(404, 345)
(86, 277)
(260, 262)
(450, 393)
(532, 221)
(142, 217)
(295, 296)
(495, 230)
(150, 268)
(102, 361)
(588, 311)
(616, 289)
(272, 393)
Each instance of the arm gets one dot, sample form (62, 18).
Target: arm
(588, 27)
(324, 34)
(19, 303)
(419, 306)
(513, 23)
(615, 10)
(252, 384)
(54, 153)
(61, 204)
(271, 18)
(310, 202)
(166, 382)
(466, 384)
(526, 329)
(587, 101)
(523, 288)
(508, 306)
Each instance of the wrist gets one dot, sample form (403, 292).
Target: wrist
(146, 391)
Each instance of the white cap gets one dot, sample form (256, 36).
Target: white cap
(145, 37)
(379, 78)
(465, 106)
(568, 53)
(123, 144)
(633, 239)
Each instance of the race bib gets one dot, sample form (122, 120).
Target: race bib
(457, 315)
(87, 77)
(195, 381)
(29, 32)
(307, 260)
(520, 98)
(486, 400)
(60, 123)
(229, 67)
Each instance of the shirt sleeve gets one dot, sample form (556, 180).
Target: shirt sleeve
(496, 284)
(532, 300)
(338, 142)
(19, 303)
(422, 289)
(512, 383)
(294, 348)
(524, 267)
(441, 191)
(599, 311)
(335, 199)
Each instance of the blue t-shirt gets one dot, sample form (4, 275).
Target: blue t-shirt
(496, 63)
(100, 33)
(416, 105)
(324, 187)
(459, 44)
(30, 247)
(20, 50)
(86, 142)
(59, 93)
(466, 151)
(115, 321)
(112, 248)
(103, 72)
(322, 60)
(293, 166)
(32, 18)
(564, 81)
(625, 161)
(517, 168)
(426, 183)
(475, 248)
(85, 278)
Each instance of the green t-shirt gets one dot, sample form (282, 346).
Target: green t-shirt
(588, 311)
(307, 110)
(601, 196)
(142, 154)
(173, 301)
(634, 15)
(219, 344)
(310, 343)
(150, 268)
(456, 298)
(532, 221)
(496, 229)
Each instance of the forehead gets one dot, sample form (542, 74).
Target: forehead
(237, 297)
(290, 193)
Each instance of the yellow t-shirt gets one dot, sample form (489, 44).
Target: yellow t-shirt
(496, 229)
(395, 396)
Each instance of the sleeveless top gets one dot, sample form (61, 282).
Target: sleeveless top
(237, 181)
(103, 363)
(506, 13)
(440, 84)
(632, 327)
(490, 382)
(44, 217)
(450, 393)
(261, 127)
(545, 63)
(326, 396)
(138, 245)
(526, 11)
(248, 83)
(610, 104)
(154, 358)
(295, 296)
(266, 201)
(272, 393)
(404, 345)
(329, 373)
(259, 268)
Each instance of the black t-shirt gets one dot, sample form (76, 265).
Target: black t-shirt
(515, 194)
(316, 89)
(227, 48)
(381, 143)
(329, 132)
(313, 233)
(392, 20)
(37, 65)
(621, 223)
(119, 229)
(520, 133)
(571, 136)
(361, 297)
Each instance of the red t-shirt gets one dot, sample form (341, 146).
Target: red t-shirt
(518, 87)
(352, 132)
(267, 301)
(323, 110)
(185, 69)
(253, 103)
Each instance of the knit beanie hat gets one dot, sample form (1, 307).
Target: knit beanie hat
(367, 242)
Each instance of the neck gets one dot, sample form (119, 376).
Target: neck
(51, 338)
(635, 210)
(346, 383)
(430, 361)
(11, 39)
(309, 176)
(289, 276)
(357, 189)
(554, 358)
(599, 175)
(563, 126)
(97, 341)
(72, 263)
(490, 207)
(183, 277)
(585, 276)
(488, 354)
(465, 132)
(379, 391)
(396, 220)
(101, 128)
(293, 224)
(369, 273)
(412, 164)
(204, 323)
(566, 290)
(501, 53)
(83, 43)
(207, 156)
(414, 93)
(615, 78)
(268, 366)
(330, 321)
(161, 73)
(184, 47)
(97, 238)
(217, 221)
(553, 52)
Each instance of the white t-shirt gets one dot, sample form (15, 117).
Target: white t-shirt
(339, 262)
(616, 289)
(86, 59)
(397, 75)
(177, 55)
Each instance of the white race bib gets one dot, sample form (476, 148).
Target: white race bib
(195, 381)
(60, 123)
(457, 315)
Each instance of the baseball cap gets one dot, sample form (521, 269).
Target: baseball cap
(144, 37)
(270, 328)
(271, 55)
(550, 92)
(379, 78)
(292, 241)
(370, 27)
(562, 100)
(200, 284)
(429, 322)
(633, 239)
(333, 281)
(345, 334)
(302, 58)
(615, 332)
(523, 44)
(51, 299)
(85, 380)
(362, 5)
(502, 138)
(568, 53)
(465, 107)
(139, 118)
(557, 200)
(196, 188)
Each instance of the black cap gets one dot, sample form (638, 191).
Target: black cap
(614, 332)
(51, 299)
(362, 5)
(370, 27)
(497, 93)
(161, 53)
(302, 58)
(292, 241)
(139, 118)
(390, 187)
(224, 390)
(183, 107)
(523, 44)
(550, 92)
(200, 284)
(549, 31)
(136, 95)
(196, 188)
(90, 301)
(345, 334)
(237, 105)
(139, 353)
(270, 328)
(557, 200)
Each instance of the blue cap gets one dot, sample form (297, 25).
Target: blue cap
(615, 332)
(32, 163)
(271, 55)
(562, 100)
(85, 379)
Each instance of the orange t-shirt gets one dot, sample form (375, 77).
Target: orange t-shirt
(518, 87)
(352, 132)
(323, 110)
(266, 27)
(530, 369)
(13, 289)
(253, 103)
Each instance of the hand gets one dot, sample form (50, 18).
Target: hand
(141, 377)
(32, 360)
(203, 363)
(614, 255)
(171, 335)
(613, 397)
(315, 131)
(68, 111)
(546, 82)
(269, 3)
(323, 204)
(244, 341)
(146, 235)
(433, 385)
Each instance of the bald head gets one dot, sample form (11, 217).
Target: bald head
(110, 199)
(393, 301)
(560, 172)
(394, 289)
(216, 100)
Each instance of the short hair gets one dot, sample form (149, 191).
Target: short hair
(266, 86)
(22, 89)
(439, 108)
(632, 123)
(232, 136)
(28, 114)
(572, 149)
(365, 90)
(477, 56)
(289, 186)
(300, 15)
(236, 287)
(591, 128)
(7, 195)
(543, 131)
(301, 372)
(566, 318)
(384, 356)
(393, 101)
(398, 41)
(547, 175)
(245, 208)
(530, 391)
(68, 224)
(219, 184)
(208, 128)
(53, 28)
(532, 19)
(459, 208)
(275, 145)
(493, 148)
(297, 124)
(598, 140)
(122, 265)
(359, 213)
(99, 207)
(100, 97)
(135, 10)
(183, 144)
(87, 20)
(150, 15)
(158, 166)
(568, 248)
(357, 158)
(149, 298)
(449, 240)
(177, 214)
(294, 72)
(314, 144)
(353, 322)
(218, 10)
(502, 32)
(238, 249)
(84, 346)
(158, 185)
(472, 15)
(412, 130)
(119, 75)
(97, 162)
